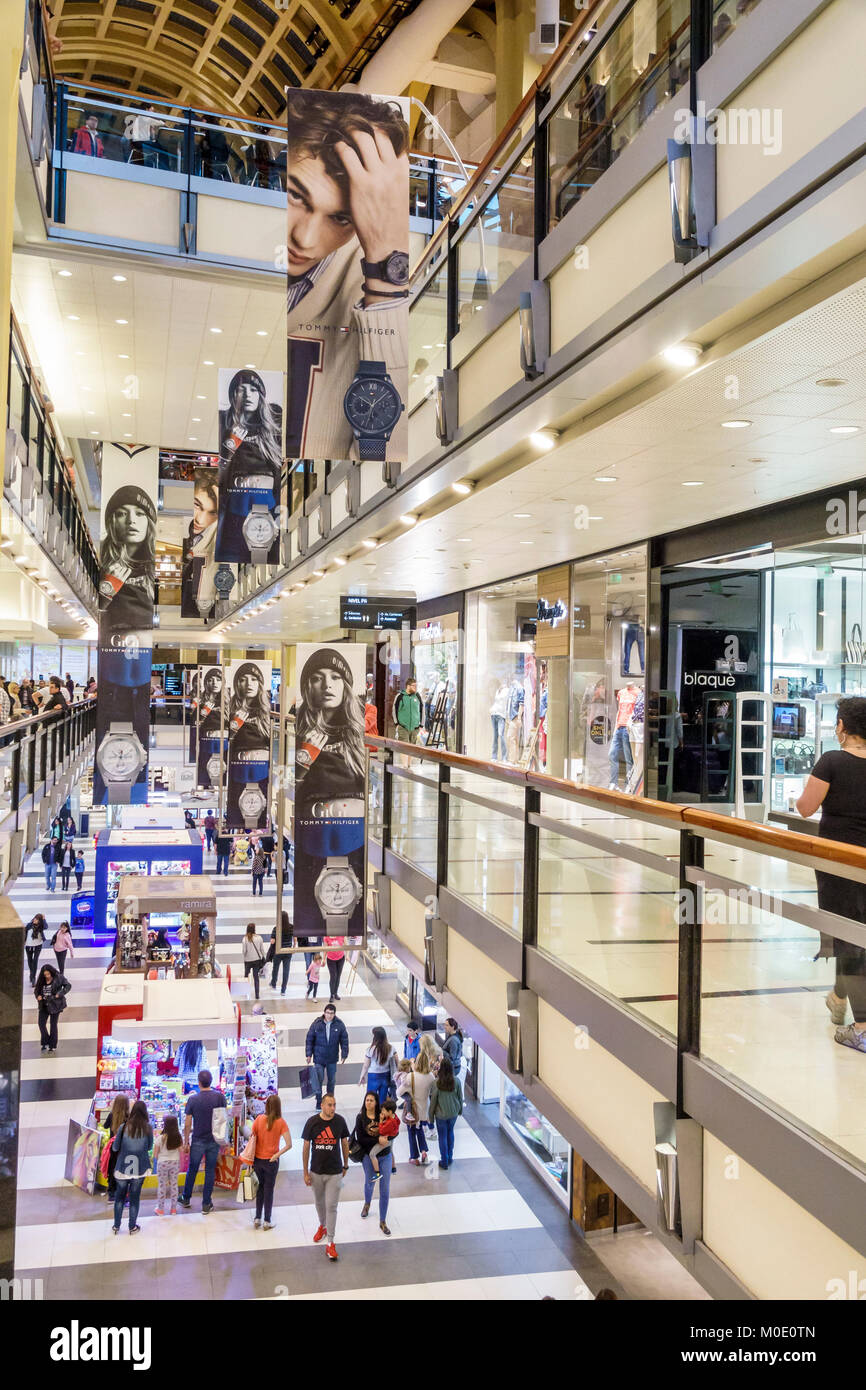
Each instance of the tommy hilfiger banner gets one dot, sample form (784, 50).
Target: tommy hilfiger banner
(330, 790)
(251, 456)
(198, 595)
(127, 563)
(209, 714)
(347, 257)
(249, 739)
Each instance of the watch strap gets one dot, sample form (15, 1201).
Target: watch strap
(368, 367)
(372, 447)
(336, 924)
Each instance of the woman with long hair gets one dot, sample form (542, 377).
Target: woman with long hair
(132, 1144)
(414, 1087)
(269, 1131)
(249, 731)
(446, 1103)
(366, 1136)
(128, 560)
(380, 1065)
(198, 592)
(453, 1048)
(117, 1118)
(250, 461)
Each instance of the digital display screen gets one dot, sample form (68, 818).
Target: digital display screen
(364, 611)
(789, 721)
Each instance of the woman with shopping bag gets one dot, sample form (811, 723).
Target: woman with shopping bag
(263, 1151)
(253, 952)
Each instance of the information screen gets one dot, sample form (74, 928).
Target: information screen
(364, 611)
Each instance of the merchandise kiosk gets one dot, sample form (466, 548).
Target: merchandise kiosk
(133, 850)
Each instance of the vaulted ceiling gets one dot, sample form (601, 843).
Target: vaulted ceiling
(234, 56)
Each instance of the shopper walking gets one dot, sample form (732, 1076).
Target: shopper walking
(314, 969)
(453, 1047)
(281, 962)
(51, 989)
(287, 849)
(270, 1131)
(62, 942)
(166, 1156)
(412, 1041)
(268, 843)
(366, 1136)
(380, 1065)
(414, 1090)
(327, 1041)
(446, 1103)
(209, 828)
(118, 1115)
(259, 864)
(67, 864)
(253, 952)
(50, 862)
(35, 929)
(336, 958)
(223, 851)
(310, 944)
(326, 1163)
(204, 1143)
(837, 785)
(132, 1144)
(408, 711)
(79, 869)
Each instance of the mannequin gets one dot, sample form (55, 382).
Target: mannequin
(620, 747)
(514, 719)
(498, 713)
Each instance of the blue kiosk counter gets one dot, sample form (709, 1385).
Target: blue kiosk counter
(138, 851)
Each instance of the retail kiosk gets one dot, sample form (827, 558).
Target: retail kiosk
(134, 850)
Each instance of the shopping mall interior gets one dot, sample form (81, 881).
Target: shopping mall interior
(489, 618)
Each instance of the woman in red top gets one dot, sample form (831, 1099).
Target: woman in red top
(268, 1130)
(336, 958)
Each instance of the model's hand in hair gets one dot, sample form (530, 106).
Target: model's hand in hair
(378, 193)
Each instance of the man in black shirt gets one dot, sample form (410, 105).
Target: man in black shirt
(56, 700)
(223, 849)
(327, 1135)
(267, 843)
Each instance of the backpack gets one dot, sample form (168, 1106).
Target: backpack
(220, 1125)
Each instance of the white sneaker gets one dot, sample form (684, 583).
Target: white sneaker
(838, 1008)
(257, 1223)
(269, 1225)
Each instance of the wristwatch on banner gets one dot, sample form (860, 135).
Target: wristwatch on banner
(338, 893)
(224, 580)
(214, 767)
(259, 531)
(372, 405)
(394, 270)
(120, 758)
(251, 803)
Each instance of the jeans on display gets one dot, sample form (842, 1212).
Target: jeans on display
(619, 748)
(331, 1069)
(326, 1194)
(631, 633)
(335, 970)
(209, 1150)
(445, 1130)
(286, 963)
(51, 876)
(498, 722)
(417, 1141)
(132, 1187)
(258, 879)
(384, 1183)
(33, 953)
(256, 968)
(222, 864)
(266, 1172)
(379, 1083)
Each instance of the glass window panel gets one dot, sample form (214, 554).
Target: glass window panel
(428, 329)
(500, 240)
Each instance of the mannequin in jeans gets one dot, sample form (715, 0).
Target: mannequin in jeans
(498, 711)
(620, 746)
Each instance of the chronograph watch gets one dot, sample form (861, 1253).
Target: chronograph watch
(337, 892)
(120, 758)
(372, 406)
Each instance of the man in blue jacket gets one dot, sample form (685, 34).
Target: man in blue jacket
(327, 1043)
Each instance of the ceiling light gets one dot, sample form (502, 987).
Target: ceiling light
(735, 424)
(464, 540)
(120, 279)
(830, 381)
(64, 273)
(250, 365)
(692, 484)
(94, 431)
(522, 516)
(339, 560)
(19, 559)
(126, 415)
(463, 488)
(682, 354)
(544, 439)
(370, 543)
(527, 542)
(122, 356)
(201, 398)
(261, 332)
(193, 438)
(605, 478)
(121, 321)
(73, 318)
(319, 573)
(595, 518)
(844, 429)
(216, 330)
(6, 545)
(127, 436)
(408, 519)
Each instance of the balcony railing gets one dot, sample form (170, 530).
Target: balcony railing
(34, 751)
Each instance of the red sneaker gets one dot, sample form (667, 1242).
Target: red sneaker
(331, 1251)
(318, 1236)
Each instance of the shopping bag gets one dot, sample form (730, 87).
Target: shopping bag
(228, 1169)
(309, 1082)
(248, 1152)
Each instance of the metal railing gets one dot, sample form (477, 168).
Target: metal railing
(693, 929)
(34, 752)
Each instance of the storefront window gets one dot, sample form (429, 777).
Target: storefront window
(536, 1135)
(608, 665)
(435, 657)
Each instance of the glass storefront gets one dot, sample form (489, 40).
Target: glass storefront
(548, 1152)
(435, 662)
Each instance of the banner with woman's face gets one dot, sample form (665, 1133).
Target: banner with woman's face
(330, 790)
(127, 564)
(248, 728)
(198, 593)
(251, 455)
(208, 720)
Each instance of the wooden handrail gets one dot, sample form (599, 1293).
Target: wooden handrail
(15, 726)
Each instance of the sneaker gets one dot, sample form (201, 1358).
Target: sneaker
(322, 1231)
(331, 1251)
(257, 1224)
(159, 1211)
(44, 1049)
(114, 1230)
(376, 1177)
(52, 1052)
(185, 1202)
(442, 1165)
(133, 1230)
(838, 1007)
(174, 1211)
(849, 1037)
(206, 1210)
(415, 1162)
(269, 1225)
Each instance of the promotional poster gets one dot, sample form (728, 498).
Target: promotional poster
(208, 716)
(347, 252)
(249, 744)
(251, 455)
(127, 563)
(198, 595)
(330, 790)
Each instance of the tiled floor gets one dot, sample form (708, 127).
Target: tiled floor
(486, 1229)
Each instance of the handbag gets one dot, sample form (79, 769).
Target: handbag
(410, 1113)
(248, 1152)
(792, 643)
(854, 650)
(356, 1151)
(309, 1080)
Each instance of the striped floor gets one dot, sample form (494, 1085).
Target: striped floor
(486, 1229)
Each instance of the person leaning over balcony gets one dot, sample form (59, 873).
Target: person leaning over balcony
(86, 139)
(5, 703)
(838, 786)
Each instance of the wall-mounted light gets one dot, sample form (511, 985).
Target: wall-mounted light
(463, 488)
(370, 543)
(544, 438)
(682, 354)
(408, 519)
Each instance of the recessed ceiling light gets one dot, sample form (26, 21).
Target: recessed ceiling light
(463, 488)
(682, 354)
(595, 518)
(522, 516)
(319, 573)
(127, 436)
(250, 365)
(216, 330)
(844, 429)
(196, 419)
(261, 332)
(544, 439)
(126, 415)
(119, 278)
(207, 364)
(830, 381)
(605, 478)
(735, 424)
(201, 398)
(370, 543)
(339, 560)
(193, 439)
(79, 353)
(19, 559)
(90, 412)
(122, 356)
(65, 273)
(121, 321)
(73, 318)
(692, 484)
(464, 540)
(408, 519)
(94, 431)
(527, 542)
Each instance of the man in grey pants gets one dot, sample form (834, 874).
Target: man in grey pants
(327, 1135)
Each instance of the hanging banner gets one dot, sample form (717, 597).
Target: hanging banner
(330, 790)
(210, 759)
(347, 257)
(198, 595)
(249, 744)
(127, 563)
(251, 455)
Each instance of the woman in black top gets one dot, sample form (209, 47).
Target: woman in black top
(35, 929)
(838, 786)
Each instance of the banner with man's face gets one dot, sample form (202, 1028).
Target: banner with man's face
(248, 725)
(330, 790)
(347, 258)
(251, 455)
(198, 595)
(127, 564)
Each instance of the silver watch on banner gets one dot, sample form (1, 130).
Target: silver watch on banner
(337, 892)
(120, 758)
(215, 767)
(251, 803)
(259, 531)
(372, 406)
